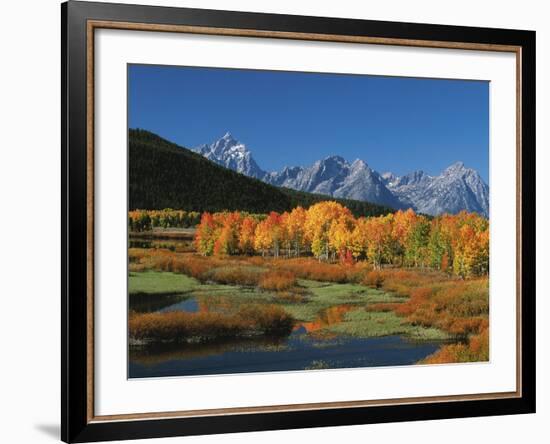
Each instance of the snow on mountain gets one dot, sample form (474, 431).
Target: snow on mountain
(388, 177)
(455, 189)
(408, 188)
(336, 177)
(232, 154)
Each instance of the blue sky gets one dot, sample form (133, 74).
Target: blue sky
(288, 118)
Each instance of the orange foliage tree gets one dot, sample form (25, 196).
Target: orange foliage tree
(246, 235)
(295, 228)
(269, 234)
(227, 242)
(206, 235)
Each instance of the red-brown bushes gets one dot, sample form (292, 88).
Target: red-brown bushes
(277, 280)
(182, 326)
(165, 260)
(463, 326)
(151, 258)
(403, 281)
(256, 260)
(235, 275)
(133, 267)
(306, 268)
(269, 319)
(141, 255)
(476, 350)
(479, 344)
(418, 300)
(374, 279)
(434, 300)
(191, 266)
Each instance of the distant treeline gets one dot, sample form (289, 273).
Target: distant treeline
(146, 220)
(165, 175)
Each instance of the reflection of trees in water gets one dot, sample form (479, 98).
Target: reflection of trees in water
(147, 303)
(155, 354)
(216, 303)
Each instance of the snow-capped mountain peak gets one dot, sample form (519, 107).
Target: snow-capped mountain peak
(359, 164)
(230, 153)
(335, 159)
(455, 168)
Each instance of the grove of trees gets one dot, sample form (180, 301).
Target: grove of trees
(457, 244)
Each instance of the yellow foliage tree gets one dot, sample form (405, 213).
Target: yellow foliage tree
(318, 222)
(340, 234)
(295, 228)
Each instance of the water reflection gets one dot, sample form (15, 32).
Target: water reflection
(189, 305)
(178, 244)
(146, 303)
(297, 352)
(160, 353)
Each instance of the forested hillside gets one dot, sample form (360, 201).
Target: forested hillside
(165, 175)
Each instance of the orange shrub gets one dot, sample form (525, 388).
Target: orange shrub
(479, 344)
(277, 280)
(374, 279)
(154, 258)
(307, 268)
(235, 275)
(256, 260)
(453, 305)
(464, 326)
(182, 326)
(133, 267)
(192, 266)
(136, 254)
(165, 260)
(476, 350)
(418, 300)
(269, 319)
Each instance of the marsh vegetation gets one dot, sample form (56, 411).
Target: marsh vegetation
(197, 313)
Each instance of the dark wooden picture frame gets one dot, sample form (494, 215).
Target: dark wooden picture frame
(79, 20)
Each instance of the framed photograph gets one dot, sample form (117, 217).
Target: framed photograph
(275, 221)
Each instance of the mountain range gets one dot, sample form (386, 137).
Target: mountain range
(457, 188)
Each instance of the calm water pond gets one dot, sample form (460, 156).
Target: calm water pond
(299, 351)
